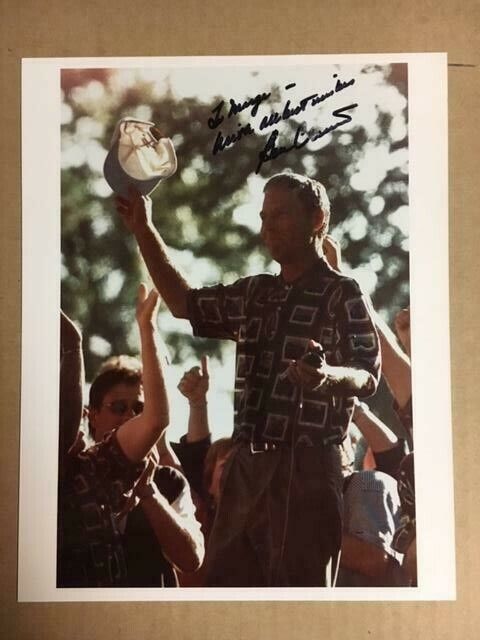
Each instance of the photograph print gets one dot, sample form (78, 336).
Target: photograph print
(235, 387)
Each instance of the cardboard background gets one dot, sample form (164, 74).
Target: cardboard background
(32, 29)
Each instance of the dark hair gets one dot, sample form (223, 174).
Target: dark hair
(311, 193)
(108, 379)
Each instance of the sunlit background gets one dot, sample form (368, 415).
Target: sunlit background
(208, 211)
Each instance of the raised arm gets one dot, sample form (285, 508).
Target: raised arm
(71, 383)
(194, 386)
(167, 455)
(395, 363)
(138, 435)
(172, 286)
(378, 436)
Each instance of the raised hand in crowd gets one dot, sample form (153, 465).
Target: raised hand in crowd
(137, 436)
(194, 386)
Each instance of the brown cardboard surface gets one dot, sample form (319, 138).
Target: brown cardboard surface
(32, 29)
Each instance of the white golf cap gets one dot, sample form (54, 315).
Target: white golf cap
(138, 157)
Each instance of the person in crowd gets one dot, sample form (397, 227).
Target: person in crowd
(164, 448)
(194, 445)
(372, 509)
(371, 516)
(290, 416)
(405, 538)
(372, 505)
(396, 544)
(397, 372)
(160, 533)
(93, 480)
(201, 460)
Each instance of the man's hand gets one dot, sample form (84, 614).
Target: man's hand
(136, 212)
(194, 383)
(133, 497)
(147, 307)
(306, 376)
(303, 375)
(148, 473)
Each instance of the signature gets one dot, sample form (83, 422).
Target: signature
(302, 136)
(225, 111)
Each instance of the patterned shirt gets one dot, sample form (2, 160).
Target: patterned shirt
(272, 322)
(90, 551)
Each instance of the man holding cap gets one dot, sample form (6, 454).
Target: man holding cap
(279, 515)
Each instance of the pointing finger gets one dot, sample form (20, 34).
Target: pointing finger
(142, 292)
(204, 363)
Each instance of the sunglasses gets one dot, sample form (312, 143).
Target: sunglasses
(121, 407)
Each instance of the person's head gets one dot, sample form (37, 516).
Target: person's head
(116, 395)
(215, 460)
(295, 216)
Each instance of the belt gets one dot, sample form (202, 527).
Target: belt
(263, 447)
(268, 446)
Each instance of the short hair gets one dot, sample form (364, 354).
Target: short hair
(311, 193)
(120, 362)
(108, 379)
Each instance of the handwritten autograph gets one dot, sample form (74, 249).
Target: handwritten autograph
(302, 136)
(271, 150)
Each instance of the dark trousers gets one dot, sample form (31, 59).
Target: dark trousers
(279, 518)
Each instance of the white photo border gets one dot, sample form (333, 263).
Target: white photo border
(429, 236)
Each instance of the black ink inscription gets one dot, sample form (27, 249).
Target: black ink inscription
(224, 111)
(302, 136)
(217, 120)
(238, 107)
(342, 85)
(312, 100)
(222, 142)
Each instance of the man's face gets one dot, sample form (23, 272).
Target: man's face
(287, 228)
(120, 403)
